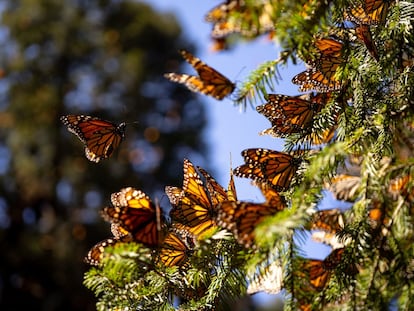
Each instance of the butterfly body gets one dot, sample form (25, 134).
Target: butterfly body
(100, 137)
(209, 82)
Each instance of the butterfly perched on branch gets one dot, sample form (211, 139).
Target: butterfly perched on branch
(100, 137)
(192, 205)
(369, 12)
(291, 114)
(241, 218)
(321, 74)
(134, 212)
(272, 167)
(238, 17)
(177, 246)
(209, 81)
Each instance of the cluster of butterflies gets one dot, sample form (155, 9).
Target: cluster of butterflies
(199, 207)
(322, 74)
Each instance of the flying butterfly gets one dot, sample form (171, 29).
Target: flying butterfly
(209, 82)
(221, 11)
(192, 206)
(272, 167)
(236, 17)
(177, 247)
(370, 12)
(242, 218)
(135, 213)
(100, 137)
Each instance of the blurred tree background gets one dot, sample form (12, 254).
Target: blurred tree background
(99, 58)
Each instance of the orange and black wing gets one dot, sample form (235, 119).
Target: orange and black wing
(321, 77)
(215, 190)
(100, 137)
(96, 253)
(370, 12)
(209, 82)
(242, 218)
(136, 214)
(289, 114)
(363, 34)
(177, 247)
(328, 47)
(329, 220)
(272, 167)
(193, 208)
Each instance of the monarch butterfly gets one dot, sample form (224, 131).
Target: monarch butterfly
(135, 213)
(270, 281)
(319, 271)
(272, 167)
(192, 206)
(329, 47)
(291, 114)
(344, 187)
(100, 137)
(330, 220)
(176, 248)
(402, 185)
(321, 77)
(220, 12)
(371, 12)
(235, 17)
(96, 253)
(216, 191)
(363, 33)
(118, 231)
(210, 82)
(272, 197)
(242, 218)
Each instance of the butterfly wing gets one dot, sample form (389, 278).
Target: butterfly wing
(194, 208)
(216, 191)
(242, 218)
(272, 167)
(135, 213)
(210, 81)
(177, 247)
(100, 137)
(370, 12)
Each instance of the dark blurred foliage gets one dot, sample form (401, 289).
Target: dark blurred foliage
(100, 58)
